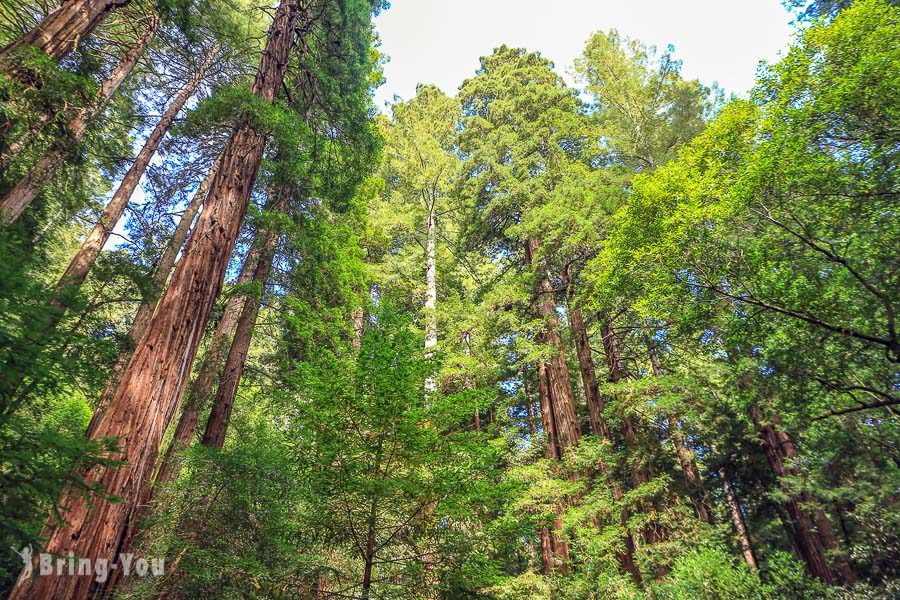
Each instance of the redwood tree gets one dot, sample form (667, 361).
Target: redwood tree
(26, 190)
(151, 386)
(61, 30)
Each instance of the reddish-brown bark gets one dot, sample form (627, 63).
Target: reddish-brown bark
(599, 426)
(557, 399)
(595, 402)
(61, 30)
(812, 534)
(223, 404)
(26, 190)
(685, 455)
(559, 384)
(152, 384)
(617, 372)
(200, 392)
(148, 307)
(87, 254)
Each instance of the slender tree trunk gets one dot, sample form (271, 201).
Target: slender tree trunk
(431, 326)
(17, 200)
(153, 382)
(595, 402)
(217, 424)
(431, 332)
(359, 322)
(617, 372)
(148, 307)
(737, 518)
(599, 426)
(691, 473)
(24, 192)
(84, 259)
(830, 543)
(200, 392)
(59, 33)
(779, 446)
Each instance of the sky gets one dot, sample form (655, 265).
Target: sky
(440, 41)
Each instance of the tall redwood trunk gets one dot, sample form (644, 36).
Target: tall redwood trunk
(560, 384)
(595, 402)
(812, 536)
(24, 192)
(200, 393)
(557, 398)
(223, 404)
(737, 518)
(84, 259)
(61, 30)
(554, 550)
(152, 384)
(148, 307)
(600, 428)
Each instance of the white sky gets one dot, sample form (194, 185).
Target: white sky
(440, 41)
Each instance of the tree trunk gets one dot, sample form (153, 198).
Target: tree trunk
(370, 548)
(690, 472)
(554, 550)
(359, 322)
(148, 307)
(560, 384)
(778, 446)
(595, 403)
(529, 405)
(20, 197)
(431, 326)
(59, 33)
(552, 449)
(617, 373)
(84, 259)
(200, 392)
(153, 382)
(737, 518)
(555, 389)
(217, 424)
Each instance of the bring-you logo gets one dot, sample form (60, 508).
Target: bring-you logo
(49, 565)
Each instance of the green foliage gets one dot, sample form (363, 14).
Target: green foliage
(735, 269)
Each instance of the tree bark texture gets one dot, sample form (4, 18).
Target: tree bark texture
(223, 404)
(812, 532)
(26, 190)
(152, 384)
(685, 455)
(200, 392)
(737, 518)
(431, 325)
(148, 307)
(59, 33)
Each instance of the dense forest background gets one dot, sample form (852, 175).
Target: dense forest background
(629, 340)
